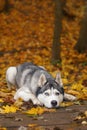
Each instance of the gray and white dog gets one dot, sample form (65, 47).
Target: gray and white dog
(36, 84)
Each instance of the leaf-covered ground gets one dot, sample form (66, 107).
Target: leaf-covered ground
(26, 34)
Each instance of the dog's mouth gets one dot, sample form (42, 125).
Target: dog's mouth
(55, 107)
(51, 107)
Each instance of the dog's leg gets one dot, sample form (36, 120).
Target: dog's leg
(35, 100)
(69, 97)
(26, 95)
(10, 76)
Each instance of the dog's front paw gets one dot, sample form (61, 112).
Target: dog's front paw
(69, 97)
(37, 102)
(23, 94)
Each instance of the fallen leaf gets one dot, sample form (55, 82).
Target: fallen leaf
(84, 123)
(32, 125)
(38, 111)
(1, 100)
(66, 104)
(9, 109)
(18, 119)
(3, 128)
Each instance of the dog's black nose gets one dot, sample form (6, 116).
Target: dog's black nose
(54, 103)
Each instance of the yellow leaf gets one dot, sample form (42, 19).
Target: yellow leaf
(1, 111)
(73, 92)
(84, 91)
(2, 128)
(39, 111)
(66, 104)
(1, 100)
(65, 81)
(77, 86)
(85, 113)
(36, 111)
(18, 102)
(32, 125)
(9, 109)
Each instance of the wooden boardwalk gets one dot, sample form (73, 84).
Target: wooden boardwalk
(62, 119)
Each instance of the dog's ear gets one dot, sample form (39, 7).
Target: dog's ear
(42, 80)
(58, 79)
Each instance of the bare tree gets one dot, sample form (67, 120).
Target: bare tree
(4, 5)
(57, 32)
(81, 45)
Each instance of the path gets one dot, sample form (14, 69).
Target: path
(62, 119)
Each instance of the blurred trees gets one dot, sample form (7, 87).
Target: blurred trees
(68, 8)
(81, 45)
(57, 32)
(4, 5)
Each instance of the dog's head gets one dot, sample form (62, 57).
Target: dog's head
(50, 92)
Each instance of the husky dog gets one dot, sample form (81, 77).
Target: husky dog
(36, 84)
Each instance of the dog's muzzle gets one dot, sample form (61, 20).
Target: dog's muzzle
(54, 103)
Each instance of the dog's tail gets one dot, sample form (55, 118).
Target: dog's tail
(11, 76)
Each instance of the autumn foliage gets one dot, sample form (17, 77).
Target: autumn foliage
(26, 34)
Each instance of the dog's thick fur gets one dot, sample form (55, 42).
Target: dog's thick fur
(36, 84)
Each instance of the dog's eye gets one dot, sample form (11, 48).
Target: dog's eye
(47, 94)
(57, 93)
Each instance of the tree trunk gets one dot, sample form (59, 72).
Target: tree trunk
(57, 32)
(4, 5)
(81, 45)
